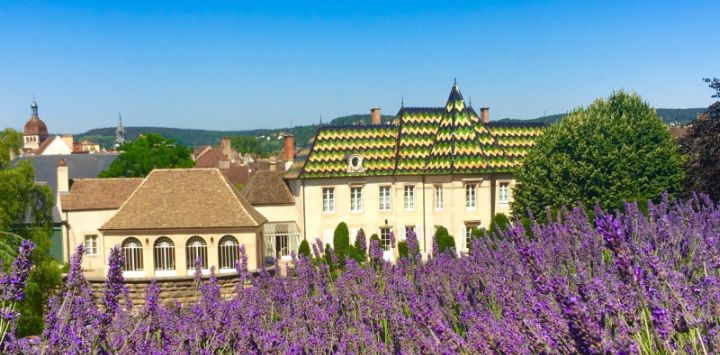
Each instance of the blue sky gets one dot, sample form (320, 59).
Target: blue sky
(265, 64)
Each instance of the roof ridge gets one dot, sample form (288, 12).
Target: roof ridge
(145, 179)
(237, 196)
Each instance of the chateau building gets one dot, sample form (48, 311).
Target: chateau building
(434, 166)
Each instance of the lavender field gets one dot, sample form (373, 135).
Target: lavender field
(631, 282)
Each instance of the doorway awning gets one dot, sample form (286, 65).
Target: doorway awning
(280, 228)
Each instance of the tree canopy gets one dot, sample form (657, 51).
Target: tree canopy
(148, 152)
(246, 144)
(614, 150)
(714, 84)
(702, 146)
(26, 213)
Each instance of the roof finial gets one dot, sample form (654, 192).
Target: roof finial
(402, 101)
(470, 102)
(455, 81)
(34, 107)
(120, 118)
(321, 119)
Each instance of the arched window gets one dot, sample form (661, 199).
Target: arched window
(194, 249)
(228, 252)
(132, 248)
(164, 253)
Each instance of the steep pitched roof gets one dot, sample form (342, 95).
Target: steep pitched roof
(185, 199)
(209, 158)
(79, 166)
(268, 188)
(98, 194)
(422, 141)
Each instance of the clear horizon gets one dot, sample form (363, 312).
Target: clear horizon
(238, 66)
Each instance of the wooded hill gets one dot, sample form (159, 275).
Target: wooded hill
(272, 137)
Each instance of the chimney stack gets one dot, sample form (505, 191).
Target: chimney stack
(226, 147)
(375, 116)
(63, 181)
(273, 164)
(223, 163)
(485, 114)
(289, 149)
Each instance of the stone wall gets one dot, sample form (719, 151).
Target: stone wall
(181, 288)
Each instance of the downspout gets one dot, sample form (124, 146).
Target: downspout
(302, 187)
(423, 227)
(492, 198)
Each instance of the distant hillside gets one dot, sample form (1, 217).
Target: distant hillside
(358, 120)
(668, 115)
(198, 137)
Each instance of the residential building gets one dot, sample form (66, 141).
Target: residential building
(440, 166)
(164, 223)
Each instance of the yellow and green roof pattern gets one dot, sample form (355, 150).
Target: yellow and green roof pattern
(421, 141)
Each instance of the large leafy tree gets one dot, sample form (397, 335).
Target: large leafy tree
(148, 152)
(614, 150)
(246, 144)
(26, 213)
(702, 146)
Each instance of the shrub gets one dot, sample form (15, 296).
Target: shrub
(621, 283)
(304, 249)
(403, 249)
(614, 150)
(499, 222)
(445, 241)
(341, 241)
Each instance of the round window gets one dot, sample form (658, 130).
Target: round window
(355, 162)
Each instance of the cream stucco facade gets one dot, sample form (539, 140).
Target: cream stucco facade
(177, 262)
(458, 211)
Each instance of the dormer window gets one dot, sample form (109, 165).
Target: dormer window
(355, 163)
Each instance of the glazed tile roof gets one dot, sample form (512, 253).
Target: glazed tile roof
(421, 141)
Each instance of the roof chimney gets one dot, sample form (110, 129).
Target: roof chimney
(375, 116)
(289, 149)
(485, 114)
(63, 182)
(273, 164)
(223, 163)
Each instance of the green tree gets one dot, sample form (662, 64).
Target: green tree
(702, 147)
(445, 241)
(304, 248)
(148, 152)
(714, 84)
(246, 144)
(26, 213)
(614, 150)
(341, 241)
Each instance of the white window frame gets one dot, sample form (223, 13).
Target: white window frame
(328, 199)
(471, 197)
(91, 245)
(132, 249)
(385, 238)
(438, 197)
(409, 197)
(504, 193)
(356, 201)
(196, 247)
(385, 198)
(228, 253)
(164, 257)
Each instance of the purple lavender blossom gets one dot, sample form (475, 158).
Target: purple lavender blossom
(13, 285)
(361, 242)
